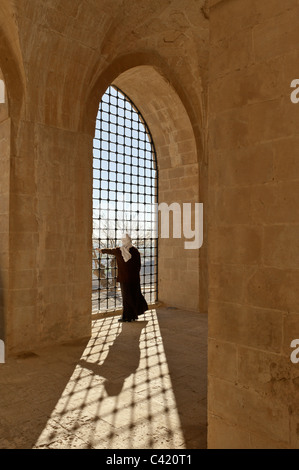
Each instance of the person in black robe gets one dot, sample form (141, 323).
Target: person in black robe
(129, 265)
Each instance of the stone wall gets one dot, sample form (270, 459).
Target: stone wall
(254, 224)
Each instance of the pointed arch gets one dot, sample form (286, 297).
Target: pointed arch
(181, 161)
(124, 195)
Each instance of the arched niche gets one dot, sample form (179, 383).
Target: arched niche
(182, 273)
(178, 176)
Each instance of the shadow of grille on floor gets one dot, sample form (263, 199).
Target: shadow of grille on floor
(120, 395)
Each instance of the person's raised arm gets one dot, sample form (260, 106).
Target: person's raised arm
(109, 251)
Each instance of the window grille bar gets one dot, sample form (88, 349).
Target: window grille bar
(125, 191)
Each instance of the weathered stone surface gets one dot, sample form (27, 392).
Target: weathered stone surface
(253, 224)
(239, 324)
(222, 361)
(240, 244)
(247, 409)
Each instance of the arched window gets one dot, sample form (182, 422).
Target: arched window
(125, 192)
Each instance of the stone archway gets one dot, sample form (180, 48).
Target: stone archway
(178, 176)
(182, 273)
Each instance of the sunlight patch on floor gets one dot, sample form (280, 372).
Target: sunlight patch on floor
(120, 395)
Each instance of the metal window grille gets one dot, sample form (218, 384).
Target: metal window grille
(125, 192)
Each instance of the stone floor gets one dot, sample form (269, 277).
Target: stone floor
(138, 385)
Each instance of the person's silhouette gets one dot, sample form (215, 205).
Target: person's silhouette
(129, 265)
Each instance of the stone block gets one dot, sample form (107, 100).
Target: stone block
(22, 298)
(249, 410)
(275, 203)
(230, 18)
(290, 69)
(4, 142)
(243, 166)
(273, 288)
(229, 129)
(23, 241)
(4, 203)
(277, 35)
(81, 326)
(294, 429)
(24, 218)
(257, 83)
(263, 203)
(23, 174)
(290, 332)
(267, 120)
(286, 165)
(51, 276)
(24, 333)
(281, 246)
(222, 359)
(4, 260)
(231, 53)
(267, 373)
(23, 279)
(23, 259)
(244, 325)
(225, 435)
(189, 158)
(233, 206)
(227, 282)
(273, 8)
(236, 244)
(261, 441)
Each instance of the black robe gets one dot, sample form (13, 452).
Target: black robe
(128, 275)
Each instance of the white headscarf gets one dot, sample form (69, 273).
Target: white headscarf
(126, 245)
